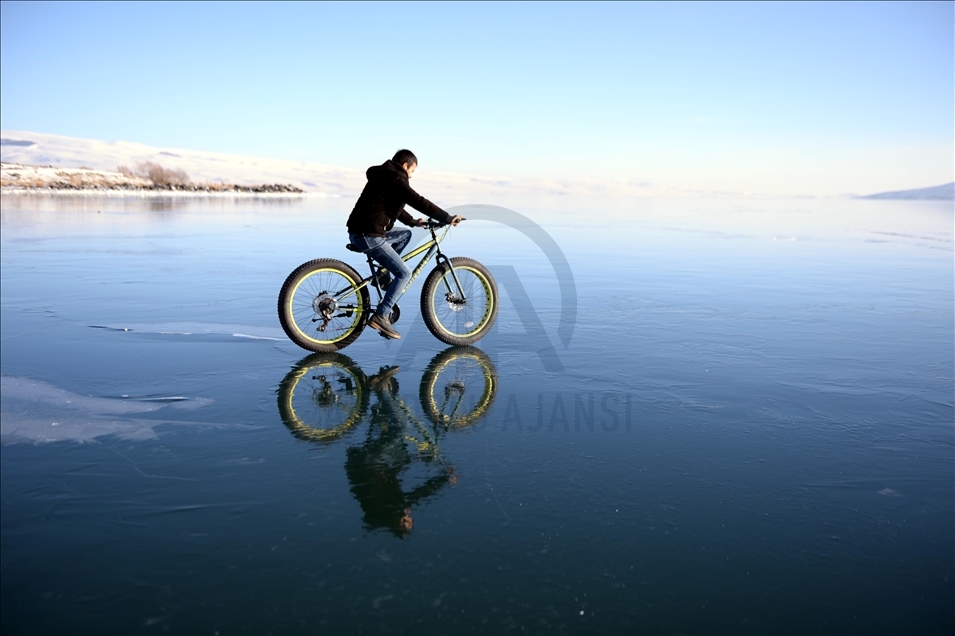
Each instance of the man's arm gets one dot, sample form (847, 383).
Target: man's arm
(428, 488)
(406, 218)
(419, 203)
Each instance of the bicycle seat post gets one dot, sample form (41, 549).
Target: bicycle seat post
(374, 277)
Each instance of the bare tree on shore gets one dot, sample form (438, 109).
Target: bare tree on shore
(156, 173)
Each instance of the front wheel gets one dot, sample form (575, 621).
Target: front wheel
(458, 387)
(321, 307)
(459, 307)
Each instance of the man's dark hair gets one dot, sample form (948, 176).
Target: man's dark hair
(405, 157)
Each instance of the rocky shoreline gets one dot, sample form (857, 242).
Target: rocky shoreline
(16, 177)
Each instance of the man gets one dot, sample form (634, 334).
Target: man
(377, 469)
(370, 224)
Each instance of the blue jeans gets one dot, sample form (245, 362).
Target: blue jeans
(385, 251)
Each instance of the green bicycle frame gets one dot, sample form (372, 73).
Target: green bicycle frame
(429, 249)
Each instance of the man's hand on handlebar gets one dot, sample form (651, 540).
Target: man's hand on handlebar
(430, 223)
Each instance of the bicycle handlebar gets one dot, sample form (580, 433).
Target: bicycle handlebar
(432, 224)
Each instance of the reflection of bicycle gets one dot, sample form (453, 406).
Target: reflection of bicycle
(458, 387)
(324, 304)
(326, 395)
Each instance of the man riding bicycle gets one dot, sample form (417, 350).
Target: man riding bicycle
(370, 224)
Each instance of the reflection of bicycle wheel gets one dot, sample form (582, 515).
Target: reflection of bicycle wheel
(458, 387)
(323, 397)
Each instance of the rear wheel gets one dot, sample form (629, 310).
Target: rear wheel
(319, 306)
(323, 397)
(459, 314)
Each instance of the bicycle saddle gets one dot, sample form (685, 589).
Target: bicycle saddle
(352, 248)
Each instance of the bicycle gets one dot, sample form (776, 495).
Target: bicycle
(326, 395)
(324, 304)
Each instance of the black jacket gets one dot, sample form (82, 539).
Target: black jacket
(383, 201)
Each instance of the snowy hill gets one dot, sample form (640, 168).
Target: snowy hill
(37, 149)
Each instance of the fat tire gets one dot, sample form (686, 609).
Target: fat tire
(305, 422)
(486, 389)
(287, 297)
(433, 321)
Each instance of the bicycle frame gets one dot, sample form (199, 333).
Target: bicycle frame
(430, 249)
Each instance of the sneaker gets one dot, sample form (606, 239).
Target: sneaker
(382, 324)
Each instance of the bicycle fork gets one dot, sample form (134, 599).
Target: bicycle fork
(442, 259)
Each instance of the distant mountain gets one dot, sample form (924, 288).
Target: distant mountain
(936, 193)
(16, 142)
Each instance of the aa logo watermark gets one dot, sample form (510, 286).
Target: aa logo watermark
(534, 341)
(553, 413)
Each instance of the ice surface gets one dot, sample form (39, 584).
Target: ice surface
(35, 411)
(198, 329)
(748, 434)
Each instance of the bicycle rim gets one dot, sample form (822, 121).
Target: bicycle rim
(463, 319)
(458, 387)
(321, 401)
(309, 291)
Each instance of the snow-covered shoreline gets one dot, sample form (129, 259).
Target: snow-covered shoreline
(17, 178)
(151, 194)
(211, 168)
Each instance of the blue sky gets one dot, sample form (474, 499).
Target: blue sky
(797, 98)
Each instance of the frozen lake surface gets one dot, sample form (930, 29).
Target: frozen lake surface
(747, 429)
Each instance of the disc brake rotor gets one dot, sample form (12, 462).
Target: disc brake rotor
(455, 303)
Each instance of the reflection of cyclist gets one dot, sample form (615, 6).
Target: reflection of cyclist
(371, 221)
(374, 469)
